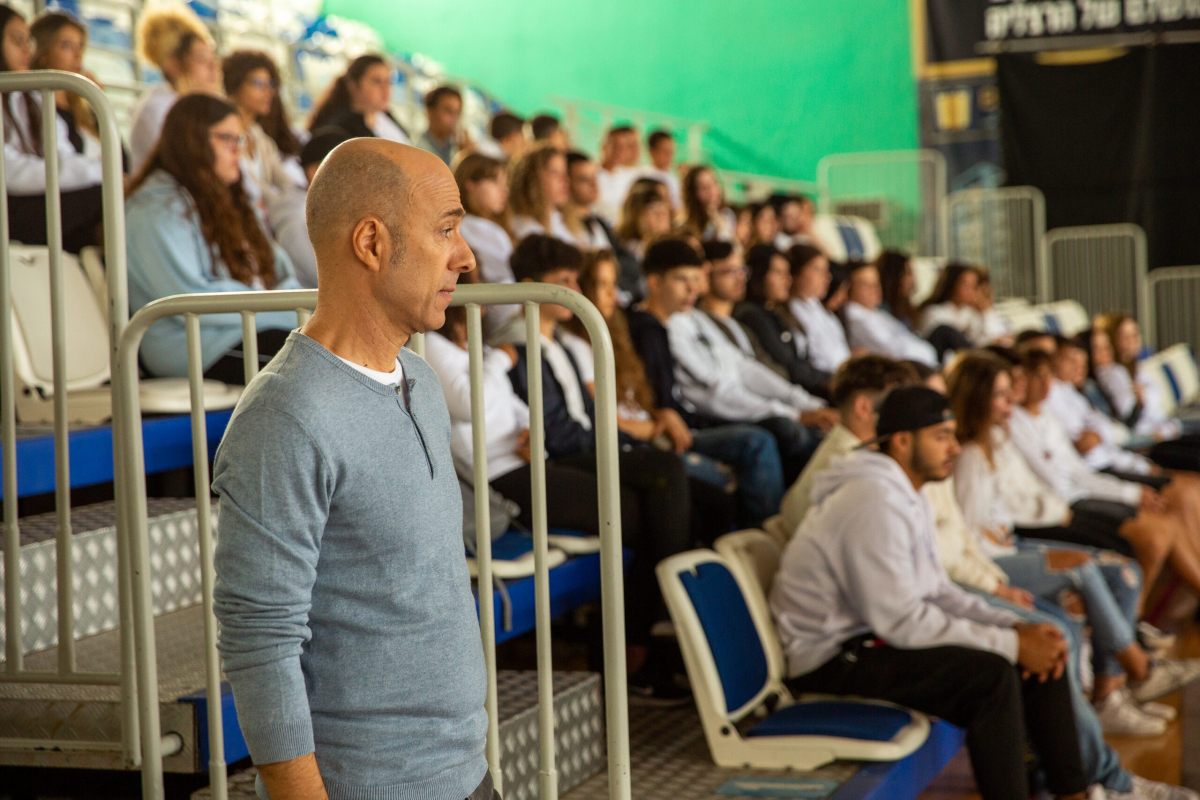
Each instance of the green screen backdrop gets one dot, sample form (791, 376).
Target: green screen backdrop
(781, 82)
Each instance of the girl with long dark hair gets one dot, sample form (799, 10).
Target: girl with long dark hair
(252, 86)
(705, 212)
(192, 228)
(358, 101)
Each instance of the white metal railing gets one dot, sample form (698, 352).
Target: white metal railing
(47, 82)
(1104, 267)
(901, 192)
(1001, 229)
(1173, 296)
(134, 537)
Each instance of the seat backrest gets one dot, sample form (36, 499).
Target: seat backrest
(753, 556)
(1022, 318)
(1071, 316)
(92, 261)
(87, 356)
(1182, 363)
(727, 664)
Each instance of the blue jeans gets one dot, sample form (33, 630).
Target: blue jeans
(1101, 763)
(754, 456)
(1108, 583)
(796, 444)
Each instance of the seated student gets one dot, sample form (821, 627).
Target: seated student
(584, 191)
(811, 283)
(174, 40)
(717, 373)
(442, 137)
(508, 131)
(547, 128)
(870, 327)
(897, 280)
(646, 216)
(538, 192)
(618, 170)
(749, 450)
(775, 331)
(1152, 515)
(24, 167)
(706, 215)
(286, 210)
(796, 214)
(954, 304)
(656, 482)
(764, 225)
(864, 608)
(358, 102)
(252, 85)
(1014, 513)
(660, 145)
(857, 387)
(483, 187)
(191, 228)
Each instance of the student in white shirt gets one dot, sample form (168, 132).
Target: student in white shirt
(719, 376)
(252, 85)
(954, 304)
(796, 215)
(870, 327)
(827, 345)
(174, 40)
(660, 144)
(706, 215)
(483, 187)
(25, 168)
(857, 388)
(864, 608)
(618, 170)
(538, 192)
(508, 132)
(1013, 511)
(646, 216)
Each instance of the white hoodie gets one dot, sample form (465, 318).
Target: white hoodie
(865, 560)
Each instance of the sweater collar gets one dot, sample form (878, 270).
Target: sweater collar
(407, 361)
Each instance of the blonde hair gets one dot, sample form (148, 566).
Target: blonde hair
(167, 32)
(525, 183)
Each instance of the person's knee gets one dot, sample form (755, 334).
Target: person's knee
(991, 676)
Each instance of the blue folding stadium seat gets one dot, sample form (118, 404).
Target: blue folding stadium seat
(736, 672)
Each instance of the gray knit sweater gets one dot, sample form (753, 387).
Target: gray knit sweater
(348, 627)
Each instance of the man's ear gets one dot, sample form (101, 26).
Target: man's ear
(371, 243)
(864, 408)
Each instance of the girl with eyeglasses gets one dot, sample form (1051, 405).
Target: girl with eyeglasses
(190, 227)
(79, 171)
(175, 41)
(252, 86)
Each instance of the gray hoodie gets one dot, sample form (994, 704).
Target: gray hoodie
(865, 560)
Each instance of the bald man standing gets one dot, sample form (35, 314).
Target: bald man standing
(348, 627)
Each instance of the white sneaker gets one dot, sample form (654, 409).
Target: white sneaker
(1120, 716)
(1154, 638)
(1160, 710)
(1166, 675)
(1153, 790)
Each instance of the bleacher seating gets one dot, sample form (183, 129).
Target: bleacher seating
(720, 621)
(1177, 375)
(1065, 317)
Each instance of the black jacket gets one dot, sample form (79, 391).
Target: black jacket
(355, 124)
(564, 435)
(777, 340)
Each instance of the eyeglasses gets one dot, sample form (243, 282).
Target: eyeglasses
(261, 83)
(234, 141)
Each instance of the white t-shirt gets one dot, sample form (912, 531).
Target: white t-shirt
(827, 346)
(393, 378)
(385, 128)
(671, 180)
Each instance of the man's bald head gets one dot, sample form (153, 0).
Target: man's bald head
(361, 178)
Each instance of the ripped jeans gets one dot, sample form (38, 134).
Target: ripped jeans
(1108, 583)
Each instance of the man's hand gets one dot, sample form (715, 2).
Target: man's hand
(823, 418)
(1152, 501)
(675, 429)
(523, 446)
(1087, 442)
(1041, 651)
(298, 779)
(1012, 594)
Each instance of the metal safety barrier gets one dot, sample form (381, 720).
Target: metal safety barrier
(1173, 295)
(134, 535)
(46, 83)
(901, 192)
(1001, 229)
(1101, 266)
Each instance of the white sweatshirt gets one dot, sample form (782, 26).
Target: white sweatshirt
(1117, 383)
(959, 546)
(25, 171)
(827, 345)
(879, 332)
(865, 560)
(1049, 453)
(506, 414)
(717, 378)
(964, 319)
(1077, 415)
(148, 117)
(493, 249)
(1003, 494)
(527, 226)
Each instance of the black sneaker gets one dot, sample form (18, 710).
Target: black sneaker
(662, 689)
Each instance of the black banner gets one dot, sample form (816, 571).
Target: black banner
(964, 29)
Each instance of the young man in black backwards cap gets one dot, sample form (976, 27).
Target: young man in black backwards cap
(864, 608)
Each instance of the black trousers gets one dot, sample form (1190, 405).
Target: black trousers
(230, 368)
(975, 690)
(1158, 482)
(655, 501)
(82, 218)
(1181, 454)
(1094, 523)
